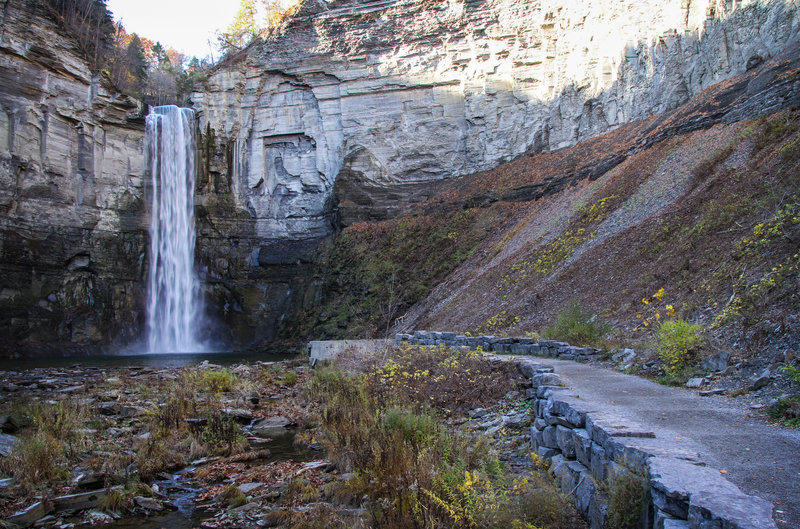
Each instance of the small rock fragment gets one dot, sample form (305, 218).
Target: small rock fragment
(694, 382)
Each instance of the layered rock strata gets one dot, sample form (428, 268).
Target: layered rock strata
(356, 106)
(73, 239)
(74, 212)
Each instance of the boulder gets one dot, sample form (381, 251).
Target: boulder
(717, 362)
(239, 415)
(8, 424)
(148, 504)
(272, 426)
(760, 380)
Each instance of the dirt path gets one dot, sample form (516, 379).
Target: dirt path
(762, 460)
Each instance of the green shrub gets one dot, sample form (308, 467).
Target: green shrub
(786, 411)
(222, 434)
(61, 421)
(233, 496)
(173, 414)
(677, 343)
(116, 500)
(221, 381)
(577, 327)
(413, 471)
(290, 379)
(793, 371)
(158, 455)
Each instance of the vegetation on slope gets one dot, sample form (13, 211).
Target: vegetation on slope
(136, 65)
(373, 272)
(710, 217)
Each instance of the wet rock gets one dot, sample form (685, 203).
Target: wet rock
(88, 480)
(80, 501)
(98, 518)
(272, 426)
(239, 415)
(205, 364)
(148, 504)
(126, 412)
(247, 488)
(47, 521)
(259, 442)
(247, 507)
(108, 408)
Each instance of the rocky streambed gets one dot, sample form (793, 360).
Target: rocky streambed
(143, 446)
(408, 436)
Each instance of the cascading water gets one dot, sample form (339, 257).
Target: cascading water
(173, 304)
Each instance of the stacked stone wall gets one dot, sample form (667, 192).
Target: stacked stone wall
(589, 453)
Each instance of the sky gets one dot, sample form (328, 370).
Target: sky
(185, 25)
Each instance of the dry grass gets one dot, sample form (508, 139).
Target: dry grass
(383, 422)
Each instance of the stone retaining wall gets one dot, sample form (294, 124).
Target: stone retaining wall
(514, 345)
(588, 447)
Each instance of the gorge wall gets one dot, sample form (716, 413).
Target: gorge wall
(354, 106)
(73, 239)
(353, 110)
(74, 211)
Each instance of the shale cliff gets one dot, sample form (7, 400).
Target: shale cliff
(355, 105)
(73, 240)
(352, 110)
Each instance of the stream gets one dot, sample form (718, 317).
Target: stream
(181, 490)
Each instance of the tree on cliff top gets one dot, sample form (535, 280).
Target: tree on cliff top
(89, 22)
(254, 19)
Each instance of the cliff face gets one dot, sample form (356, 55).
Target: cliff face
(73, 239)
(74, 211)
(354, 111)
(358, 104)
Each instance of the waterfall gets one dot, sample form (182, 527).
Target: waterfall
(173, 303)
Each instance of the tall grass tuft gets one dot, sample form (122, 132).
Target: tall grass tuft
(577, 327)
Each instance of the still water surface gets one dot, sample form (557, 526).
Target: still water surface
(166, 360)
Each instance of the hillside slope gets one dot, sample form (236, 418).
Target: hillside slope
(696, 202)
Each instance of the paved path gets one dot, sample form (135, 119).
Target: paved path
(761, 460)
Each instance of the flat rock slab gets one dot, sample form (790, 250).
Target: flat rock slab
(30, 515)
(7, 443)
(272, 426)
(80, 501)
(735, 442)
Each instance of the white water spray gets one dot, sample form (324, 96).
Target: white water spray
(173, 304)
